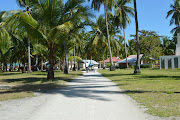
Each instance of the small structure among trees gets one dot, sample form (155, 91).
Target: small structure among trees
(131, 60)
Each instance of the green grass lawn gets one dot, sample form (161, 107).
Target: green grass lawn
(18, 85)
(158, 90)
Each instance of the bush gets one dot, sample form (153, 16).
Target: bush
(109, 65)
(131, 66)
(146, 66)
(122, 67)
(117, 67)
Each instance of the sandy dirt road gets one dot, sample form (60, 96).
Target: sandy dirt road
(89, 97)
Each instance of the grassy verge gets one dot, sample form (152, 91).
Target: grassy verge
(15, 85)
(158, 90)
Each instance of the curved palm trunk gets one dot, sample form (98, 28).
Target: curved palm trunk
(112, 68)
(74, 68)
(137, 68)
(66, 68)
(125, 48)
(29, 57)
(50, 75)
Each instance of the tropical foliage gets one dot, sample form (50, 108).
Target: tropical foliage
(58, 34)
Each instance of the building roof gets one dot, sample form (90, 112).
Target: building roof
(90, 62)
(131, 59)
(114, 59)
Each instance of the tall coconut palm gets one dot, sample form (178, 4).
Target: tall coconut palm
(52, 26)
(57, 23)
(26, 4)
(137, 68)
(77, 13)
(122, 13)
(98, 32)
(175, 12)
(108, 4)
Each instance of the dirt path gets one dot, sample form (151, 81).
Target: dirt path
(89, 97)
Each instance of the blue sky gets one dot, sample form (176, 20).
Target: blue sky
(151, 15)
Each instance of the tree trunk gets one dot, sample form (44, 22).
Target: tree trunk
(29, 57)
(125, 48)
(5, 67)
(61, 65)
(79, 65)
(0, 67)
(24, 62)
(36, 65)
(66, 68)
(112, 68)
(19, 66)
(50, 75)
(74, 68)
(41, 63)
(137, 68)
(71, 65)
(104, 67)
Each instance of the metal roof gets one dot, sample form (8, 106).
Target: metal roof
(90, 62)
(131, 59)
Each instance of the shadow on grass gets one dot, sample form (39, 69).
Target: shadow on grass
(86, 89)
(112, 75)
(142, 76)
(25, 80)
(10, 73)
(35, 79)
(32, 88)
(160, 76)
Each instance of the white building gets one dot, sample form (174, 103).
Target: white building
(172, 61)
(88, 63)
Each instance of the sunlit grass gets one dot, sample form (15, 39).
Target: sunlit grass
(15, 85)
(158, 90)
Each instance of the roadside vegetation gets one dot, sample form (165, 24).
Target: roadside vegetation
(50, 34)
(15, 85)
(156, 89)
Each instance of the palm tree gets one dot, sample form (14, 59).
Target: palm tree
(6, 46)
(52, 26)
(108, 4)
(122, 13)
(41, 51)
(57, 23)
(24, 3)
(98, 33)
(167, 46)
(77, 13)
(6, 43)
(137, 68)
(175, 12)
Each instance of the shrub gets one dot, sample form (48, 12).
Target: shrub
(146, 66)
(122, 67)
(109, 65)
(117, 67)
(131, 66)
